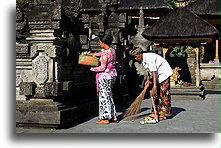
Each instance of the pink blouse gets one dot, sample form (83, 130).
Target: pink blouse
(107, 67)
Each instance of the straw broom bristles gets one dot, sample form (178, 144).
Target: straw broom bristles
(134, 108)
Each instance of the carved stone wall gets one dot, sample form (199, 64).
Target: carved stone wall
(23, 68)
(38, 63)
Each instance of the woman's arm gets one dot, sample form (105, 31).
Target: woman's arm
(103, 65)
(98, 54)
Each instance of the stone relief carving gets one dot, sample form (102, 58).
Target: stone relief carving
(21, 76)
(40, 92)
(53, 51)
(18, 80)
(27, 88)
(22, 48)
(40, 69)
(56, 12)
(18, 14)
(53, 89)
(71, 7)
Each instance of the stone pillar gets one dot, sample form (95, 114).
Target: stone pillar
(197, 67)
(43, 19)
(164, 52)
(191, 62)
(216, 60)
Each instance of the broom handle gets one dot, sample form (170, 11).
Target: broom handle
(154, 107)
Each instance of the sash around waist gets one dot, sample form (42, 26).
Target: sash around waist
(111, 66)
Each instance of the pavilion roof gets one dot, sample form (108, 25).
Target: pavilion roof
(205, 7)
(180, 23)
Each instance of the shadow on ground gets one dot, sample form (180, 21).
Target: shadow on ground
(212, 92)
(121, 112)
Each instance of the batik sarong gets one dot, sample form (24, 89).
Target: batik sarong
(106, 103)
(163, 100)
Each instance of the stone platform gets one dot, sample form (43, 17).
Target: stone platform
(212, 85)
(210, 75)
(47, 113)
(190, 92)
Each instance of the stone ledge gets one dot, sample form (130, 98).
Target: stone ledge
(190, 93)
(46, 113)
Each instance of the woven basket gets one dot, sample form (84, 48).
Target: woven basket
(88, 60)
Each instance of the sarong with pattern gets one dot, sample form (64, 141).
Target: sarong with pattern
(106, 103)
(163, 100)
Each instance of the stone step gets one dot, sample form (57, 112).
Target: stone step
(190, 93)
(51, 114)
(187, 93)
(211, 85)
(187, 97)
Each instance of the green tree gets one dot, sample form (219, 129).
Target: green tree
(173, 2)
(24, 1)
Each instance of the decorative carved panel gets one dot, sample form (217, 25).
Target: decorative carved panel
(40, 69)
(53, 89)
(27, 88)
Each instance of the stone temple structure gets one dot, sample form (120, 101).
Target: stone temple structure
(52, 89)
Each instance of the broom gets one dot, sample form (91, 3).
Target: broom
(134, 108)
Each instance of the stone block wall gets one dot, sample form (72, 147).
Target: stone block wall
(210, 76)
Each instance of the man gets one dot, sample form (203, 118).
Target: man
(160, 71)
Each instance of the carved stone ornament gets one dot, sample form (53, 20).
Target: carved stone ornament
(27, 88)
(40, 69)
(22, 48)
(55, 12)
(18, 80)
(18, 14)
(53, 88)
(71, 7)
(53, 50)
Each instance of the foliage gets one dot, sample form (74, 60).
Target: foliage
(24, 1)
(22, 41)
(191, 1)
(179, 51)
(21, 36)
(173, 2)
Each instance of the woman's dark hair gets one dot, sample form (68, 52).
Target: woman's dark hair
(107, 39)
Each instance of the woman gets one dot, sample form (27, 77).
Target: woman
(105, 77)
(161, 71)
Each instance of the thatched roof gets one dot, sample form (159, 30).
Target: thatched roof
(180, 23)
(205, 7)
(145, 4)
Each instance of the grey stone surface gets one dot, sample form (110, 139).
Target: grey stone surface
(188, 93)
(189, 116)
(27, 88)
(53, 88)
(37, 112)
(22, 48)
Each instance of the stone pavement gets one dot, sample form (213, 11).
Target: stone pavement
(189, 116)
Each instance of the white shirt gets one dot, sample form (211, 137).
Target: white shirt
(154, 62)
